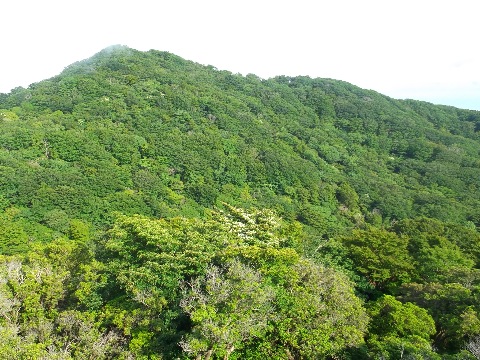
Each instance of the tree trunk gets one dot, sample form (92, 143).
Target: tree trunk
(229, 351)
(208, 355)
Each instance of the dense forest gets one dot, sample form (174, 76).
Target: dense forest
(155, 208)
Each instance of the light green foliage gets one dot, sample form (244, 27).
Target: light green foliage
(147, 260)
(301, 310)
(79, 230)
(398, 330)
(381, 256)
(228, 307)
(157, 254)
(13, 238)
(149, 134)
(318, 312)
(251, 227)
(36, 319)
(440, 260)
(262, 296)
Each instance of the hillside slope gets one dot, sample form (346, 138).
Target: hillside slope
(135, 179)
(152, 133)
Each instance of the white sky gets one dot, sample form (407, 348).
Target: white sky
(421, 49)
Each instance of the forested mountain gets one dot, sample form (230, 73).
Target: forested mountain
(152, 207)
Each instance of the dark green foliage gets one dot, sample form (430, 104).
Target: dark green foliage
(385, 191)
(172, 129)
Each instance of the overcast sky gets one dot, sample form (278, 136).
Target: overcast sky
(420, 49)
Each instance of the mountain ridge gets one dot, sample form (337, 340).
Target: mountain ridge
(324, 123)
(118, 48)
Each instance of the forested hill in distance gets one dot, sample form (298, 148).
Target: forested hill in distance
(325, 178)
(154, 134)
